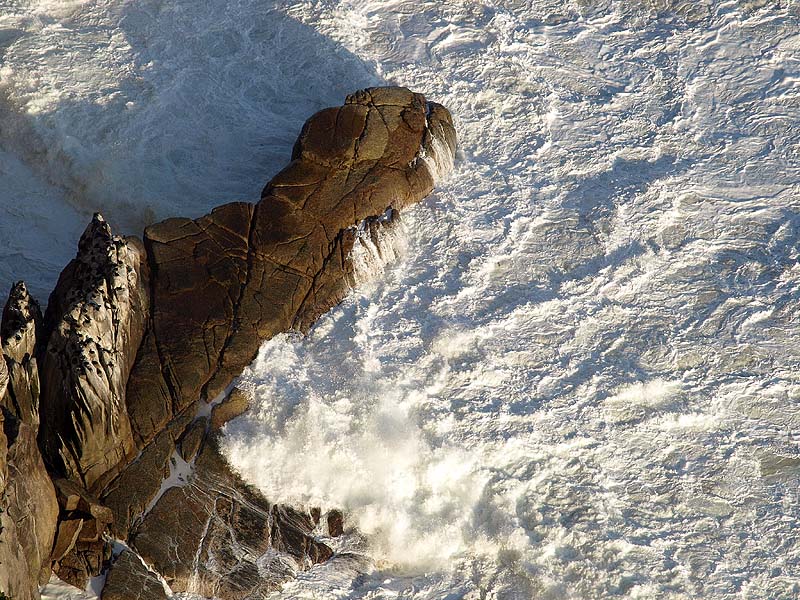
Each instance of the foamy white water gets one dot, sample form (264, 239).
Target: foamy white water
(581, 381)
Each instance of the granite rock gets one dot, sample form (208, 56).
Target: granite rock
(94, 321)
(129, 579)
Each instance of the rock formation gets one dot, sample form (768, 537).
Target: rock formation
(81, 549)
(139, 338)
(21, 327)
(243, 273)
(27, 496)
(129, 579)
(209, 536)
(95, 321)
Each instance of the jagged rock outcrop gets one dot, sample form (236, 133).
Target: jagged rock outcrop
(95, 321)
(130, 494)
(335, 521)
(225, 282)
(139, 336)
(31, 502)
(20, 330)
(234, 404)
(192, 440)
(198, 270)
(27, 496)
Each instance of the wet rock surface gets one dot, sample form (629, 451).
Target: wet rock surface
(231, 407)
(131, 493)
(192, 439)
(335, 523)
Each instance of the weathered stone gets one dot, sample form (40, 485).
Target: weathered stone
(137, 486)
(227, 281)
(67, 536)
(32, 501)
(73, 498)
(29, 494)
(70, 496)
(183, 420)
(129, 579)
(170, 534)
(291, 533)
(84, 561)
(120, 377)
(214, 531)
(193, 439)
(20, 330)
(95, 319)
(199, 269)
(148, 397)
(335, 523)
(15, 579)
(80, 550)
(231, 407)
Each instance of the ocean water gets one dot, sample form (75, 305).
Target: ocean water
(580, 379)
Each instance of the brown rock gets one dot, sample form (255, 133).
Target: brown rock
(120, 377)
(80, 550)
(15, 579)
(200, 268)
(67, 536)
(291, 533)
(129, 579)
(193, 439)
(31, 501)
(73, 498)
(335, 523)
(20, 330)
(227, 281)
(84, 561)
(95, 320)
(148, 396)
(171, 533)
(137, 486)
(216, 529)
(234, 405)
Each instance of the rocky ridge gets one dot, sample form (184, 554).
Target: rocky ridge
(140, 343)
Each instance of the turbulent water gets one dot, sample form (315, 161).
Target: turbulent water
(581, 381)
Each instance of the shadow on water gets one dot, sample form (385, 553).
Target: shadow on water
(164, 109)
